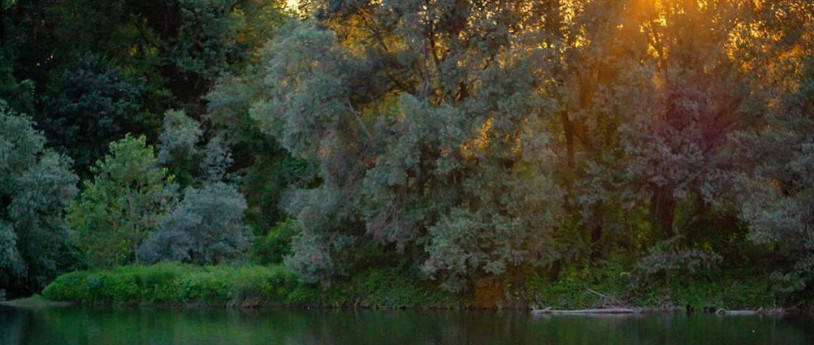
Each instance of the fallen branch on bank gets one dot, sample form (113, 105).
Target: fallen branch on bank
(635, 311)
(615, 302)
(589, 311)
(761, 311)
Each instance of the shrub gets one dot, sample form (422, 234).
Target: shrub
(667, 263)
(176, 283)
(206, 228)
(276, 245)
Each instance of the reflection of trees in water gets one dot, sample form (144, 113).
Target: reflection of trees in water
(366, 327)
(306, 327)
(11, 326)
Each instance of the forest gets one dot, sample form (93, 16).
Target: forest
(499, 152)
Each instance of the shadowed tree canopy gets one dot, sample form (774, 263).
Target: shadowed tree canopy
(475, 137)
(488, 146)
(423, 125)
(36, 185)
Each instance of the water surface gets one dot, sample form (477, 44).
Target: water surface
(300, 327)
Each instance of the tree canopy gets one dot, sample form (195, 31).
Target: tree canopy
(474, 143)
(36, 184)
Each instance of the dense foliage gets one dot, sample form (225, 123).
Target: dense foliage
(253, 286)
(176, 283)
(122, 205)
(205, 228)
(36, 184)
(472, 138)
(488, 148)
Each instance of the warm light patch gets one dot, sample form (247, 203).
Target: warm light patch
(293, 5)
(480, 143)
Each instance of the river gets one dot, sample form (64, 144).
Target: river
(74, 325)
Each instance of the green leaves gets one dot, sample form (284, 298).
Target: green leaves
(122, 204)
(206, 227)
(276, 245)
(36, 184)
(398, 161)
(778, 193)
(93, 103)
(10, 261)
(309, 98)
(179, 137)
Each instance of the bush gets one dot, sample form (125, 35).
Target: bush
(206, 228)
(729, 290)
(176, 283)
(666, 264)
(276, 245)
(574, 285)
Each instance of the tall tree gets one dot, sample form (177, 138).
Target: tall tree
(93, 103)
(423, 122)
(122, 204)
(36, 185)
(779, 191)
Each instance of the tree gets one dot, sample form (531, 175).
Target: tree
(422, 118)
(93, 103)
(422, 123)
(177, 147)
(181, 152)
(275, 246)
(20, 93)
(778, 203)
(36, 185)
(122, 204)
(205, 228)
(266, 169)
(179, 45)
(678, 152)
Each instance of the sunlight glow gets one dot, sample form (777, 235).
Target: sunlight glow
(292, 5)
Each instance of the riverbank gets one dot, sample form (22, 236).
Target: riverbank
(35, 301)
(173, 283)
(182, 285)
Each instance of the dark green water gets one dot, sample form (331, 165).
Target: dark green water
(154, 327)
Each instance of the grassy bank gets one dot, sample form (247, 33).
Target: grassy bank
(177, 284)
(250, 286)
(613, 286)
(35, 301)
(174, 283)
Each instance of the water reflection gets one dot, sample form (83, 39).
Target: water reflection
(141, 326)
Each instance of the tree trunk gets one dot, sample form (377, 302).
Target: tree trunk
(568, 128)
(662, 211)
(596, 233)
(596, 246)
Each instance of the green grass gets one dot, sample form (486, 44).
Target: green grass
(572, 288)
(728, 291)
(175, 283)
(33, 301)
(248, 286)
(571, 291)
(580, 286)
(265, 286)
